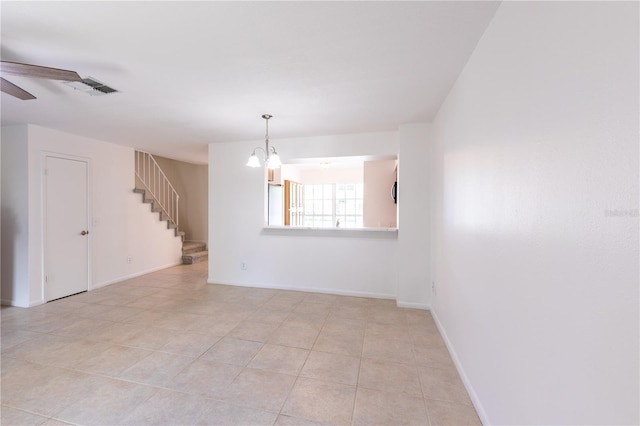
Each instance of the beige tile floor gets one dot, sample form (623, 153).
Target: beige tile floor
(168, 348)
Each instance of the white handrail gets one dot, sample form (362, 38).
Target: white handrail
(155, 181)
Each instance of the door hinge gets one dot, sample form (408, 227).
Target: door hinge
(46, 278)
(46, 172)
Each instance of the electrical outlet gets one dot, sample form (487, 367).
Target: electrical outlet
(129, 259)
(243, 265)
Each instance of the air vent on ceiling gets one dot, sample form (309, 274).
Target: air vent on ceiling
(91, 86)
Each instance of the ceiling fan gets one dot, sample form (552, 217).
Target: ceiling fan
(27, 70)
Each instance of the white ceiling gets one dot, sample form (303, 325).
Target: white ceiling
(193, 73)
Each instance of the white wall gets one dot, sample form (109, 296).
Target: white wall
(332, 175)
(414, 236)
(191, 183)
(122, 225)
(334, 261)
(379, 208)
(0, 218)
(286, 172)
(15, 220)
(536, 282)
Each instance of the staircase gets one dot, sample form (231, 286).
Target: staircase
(156, 190)
(148, 198)
(193, 252)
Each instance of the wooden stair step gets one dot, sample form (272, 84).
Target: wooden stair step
(143, 191)
(199, 256)
(189, 247)
(155, 208)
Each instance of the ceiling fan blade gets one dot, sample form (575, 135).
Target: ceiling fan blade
(13, 90)
(27, 70)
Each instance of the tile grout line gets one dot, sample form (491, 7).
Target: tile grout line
(230, 297)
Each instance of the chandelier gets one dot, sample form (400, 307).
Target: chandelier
(271, 158)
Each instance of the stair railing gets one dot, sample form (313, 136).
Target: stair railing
(151, 176)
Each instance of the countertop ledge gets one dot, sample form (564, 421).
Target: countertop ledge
(300, 231)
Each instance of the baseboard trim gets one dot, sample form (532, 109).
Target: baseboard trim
(306, 289)
(422, 306)
(463, 376)
(11, 302)
(134, 275)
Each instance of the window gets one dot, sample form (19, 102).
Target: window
(333, 205)
(334, 192)
(350, 204)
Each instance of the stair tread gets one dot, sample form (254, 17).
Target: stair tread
(199, 256)
(192, 244)
(198, 253)
(191, 249)
(149, 198)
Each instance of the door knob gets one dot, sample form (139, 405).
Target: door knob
(84, 233)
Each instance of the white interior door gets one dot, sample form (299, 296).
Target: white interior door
(66, 227)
